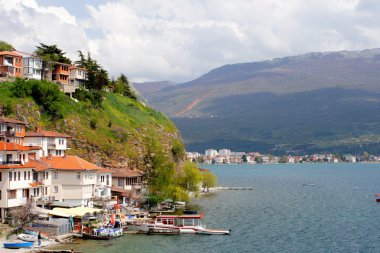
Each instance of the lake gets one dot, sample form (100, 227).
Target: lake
(292, 208)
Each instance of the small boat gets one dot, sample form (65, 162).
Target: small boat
(104, 234)
(377, 197)
(18, 245)
(206, 231)
(27, 238)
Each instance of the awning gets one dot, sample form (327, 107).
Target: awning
(77, 212)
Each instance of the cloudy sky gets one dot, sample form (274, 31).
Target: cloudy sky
(179, 40)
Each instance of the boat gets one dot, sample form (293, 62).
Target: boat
(206, 231)
(377, 197)
(103, 234)
(18, 245)
(179, 224)
(27, 238)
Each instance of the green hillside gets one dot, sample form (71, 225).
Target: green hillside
(119, 132)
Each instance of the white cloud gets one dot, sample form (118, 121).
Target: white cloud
(180, 40)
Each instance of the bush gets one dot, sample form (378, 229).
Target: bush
(93, 124)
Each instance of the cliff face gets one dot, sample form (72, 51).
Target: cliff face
(119, 134)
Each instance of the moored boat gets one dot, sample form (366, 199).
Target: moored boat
(27, 238)
(18, 245)
(179, 224)
(104, 234)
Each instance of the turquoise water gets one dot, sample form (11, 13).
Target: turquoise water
(280, 214)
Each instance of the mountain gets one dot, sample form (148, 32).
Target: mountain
(314, 102)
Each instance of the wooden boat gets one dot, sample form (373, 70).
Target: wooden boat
(27, 238)
(179, 224)
(18, 245)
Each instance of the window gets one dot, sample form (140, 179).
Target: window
(55, 189)
(11, 194)
(120, 182)
(78, 175)
(108, 179)
(0, 194)
(28, 175)
(19, 176)
(1, 176)
(55, 175)
(24, 175)
(10, 176)
(46, 175)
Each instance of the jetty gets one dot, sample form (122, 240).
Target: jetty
(233, 188)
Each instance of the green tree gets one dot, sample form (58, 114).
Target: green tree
(283, 159)
(5, 46)
(208, 180)
(97, 77)
(122, 86)
(190, 177)
(49, 54)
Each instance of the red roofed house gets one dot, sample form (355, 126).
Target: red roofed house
(51, 143)
(12, 130)
(128, 185)
(73, 180)
(16, 177)
(10, 64)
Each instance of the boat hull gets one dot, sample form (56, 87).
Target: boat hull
(18, 245)
(213, 232)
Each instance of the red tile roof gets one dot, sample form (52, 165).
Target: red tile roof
(105, 170)
(44, 133)
(126, 173)
(10, 146)
(69, 163)
(8, 120)
(10, 53)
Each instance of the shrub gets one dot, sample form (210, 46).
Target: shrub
(93, 123)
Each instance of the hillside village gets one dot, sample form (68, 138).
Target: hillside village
(34, 165)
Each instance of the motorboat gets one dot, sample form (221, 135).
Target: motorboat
(179, 224)
(206, 231)
(18, 245)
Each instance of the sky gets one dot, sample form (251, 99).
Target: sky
(179, 40)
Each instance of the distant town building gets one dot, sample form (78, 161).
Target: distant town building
(211, 153)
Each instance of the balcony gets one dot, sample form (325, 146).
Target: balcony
(9, 162)
(51, 145)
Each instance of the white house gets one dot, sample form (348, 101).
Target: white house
(73, 180)
(16, 177)
(211, 153)
(32, 67)
(53, 143)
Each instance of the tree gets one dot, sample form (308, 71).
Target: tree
(25, 214)
(190, 177)
(49, 54)
(122, 86)
(208, 180)
(5, 46)
(97, 77)
(365, 156)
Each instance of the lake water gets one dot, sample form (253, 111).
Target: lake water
(280, 214)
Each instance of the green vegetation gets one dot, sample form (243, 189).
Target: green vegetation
(5, 46)
(208, 180)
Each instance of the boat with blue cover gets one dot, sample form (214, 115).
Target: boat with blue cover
(18, 245)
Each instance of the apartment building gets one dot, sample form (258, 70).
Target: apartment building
(12, 130)
(10, 64)
(32, 67)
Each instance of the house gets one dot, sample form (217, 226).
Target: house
(78, 76)
(16, 177)
(12, 130)
(10, 64)
(73, 180)
(61, 74)
(103, 183)
(127, 185)
(32, 67)
(53, 143)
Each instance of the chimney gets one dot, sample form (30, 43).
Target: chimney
(50, 156)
